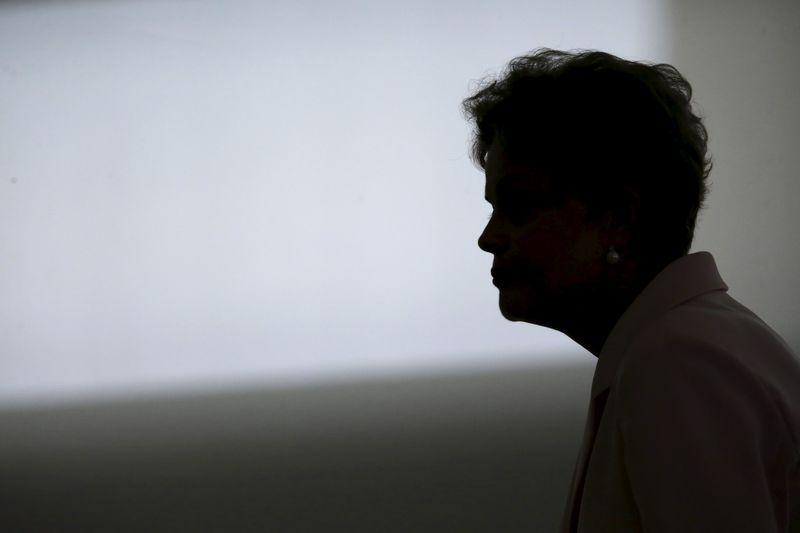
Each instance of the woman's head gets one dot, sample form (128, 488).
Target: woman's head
(596, 126)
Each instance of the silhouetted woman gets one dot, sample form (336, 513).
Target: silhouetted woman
(596, 169)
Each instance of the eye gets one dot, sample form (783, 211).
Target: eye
(522, 206)
(516, 206)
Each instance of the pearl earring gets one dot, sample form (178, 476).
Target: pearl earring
(612, 257)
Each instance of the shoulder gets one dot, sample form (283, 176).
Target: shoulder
(713, 334)
(682, 345)
(666, 353)
(672, 370)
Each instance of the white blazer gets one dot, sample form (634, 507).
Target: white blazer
(694, 420)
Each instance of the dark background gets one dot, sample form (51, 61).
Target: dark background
(476, 453)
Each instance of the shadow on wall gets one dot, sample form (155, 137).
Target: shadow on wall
(470, 453)
(742, 65)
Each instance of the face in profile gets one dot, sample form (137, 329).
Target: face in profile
(548, 261)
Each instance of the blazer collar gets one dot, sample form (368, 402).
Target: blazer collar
(683, 279)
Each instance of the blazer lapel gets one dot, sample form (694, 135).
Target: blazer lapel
(569, 523)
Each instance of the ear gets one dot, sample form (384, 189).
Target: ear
(622, 216)
(624, 212)
(629, 208)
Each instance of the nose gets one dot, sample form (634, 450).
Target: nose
(491, 240)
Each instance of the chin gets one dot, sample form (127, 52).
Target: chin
(511, 312)
(515, 318)
(516, 307)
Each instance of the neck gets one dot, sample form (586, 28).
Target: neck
(591, 322)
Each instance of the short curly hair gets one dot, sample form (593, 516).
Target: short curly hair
(597, 124)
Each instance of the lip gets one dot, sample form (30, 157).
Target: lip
(501, 272)
(502, 277)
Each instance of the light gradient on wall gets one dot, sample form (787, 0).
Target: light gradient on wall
(200, 192)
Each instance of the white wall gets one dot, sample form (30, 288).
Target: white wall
(199, 193)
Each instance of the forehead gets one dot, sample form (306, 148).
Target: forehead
(502, 172)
